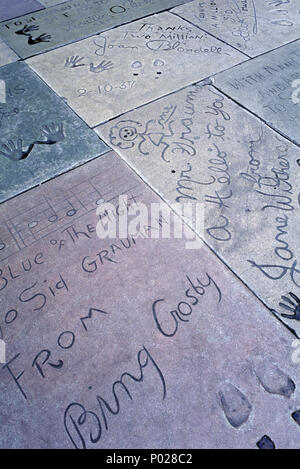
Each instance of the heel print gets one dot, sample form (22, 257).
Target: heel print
(274, 380)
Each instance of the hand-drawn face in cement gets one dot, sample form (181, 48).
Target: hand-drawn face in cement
(154, 133)
(128, 133)
(123, 134)
(158, 64)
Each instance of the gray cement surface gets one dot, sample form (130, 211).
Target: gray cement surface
(106, 75)
(203, 364)
(269, 86)
(251, 26)
(197, 146)
(73, 20)
(14, 8)
(149, 225)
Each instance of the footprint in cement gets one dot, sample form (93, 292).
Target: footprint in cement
(235, 404)
(274, 380)
(265, 443)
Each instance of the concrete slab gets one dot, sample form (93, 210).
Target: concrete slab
(40, 137)
(198, 146)
(6, 54)
(11, 9)
(95, 359)
(74, 20)
(270, 87)
(252, 26)
(106, 75)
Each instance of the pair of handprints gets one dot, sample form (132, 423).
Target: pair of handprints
(54, 133)
(26, 31)
(74, 62)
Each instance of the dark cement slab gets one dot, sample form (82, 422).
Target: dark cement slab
(252, 26)
(74, 20)
(40, 136)
(269, 86)
(202, 363)
(13, 8)
(196, 145)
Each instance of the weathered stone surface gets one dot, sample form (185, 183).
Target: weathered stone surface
(74, 20)
(75, 323)
(40, 137)
(270, 87)
(51, 3)
(252, 26)
(198, 146)
(11, 9)
(106, 75)
(6, 54)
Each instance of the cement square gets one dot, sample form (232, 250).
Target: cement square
(40, 136)
(106, 75)
(251, 26)
(73, 20)
(132, 342)
(197, 146)
(269, 86)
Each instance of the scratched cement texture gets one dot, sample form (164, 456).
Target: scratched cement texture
(197, 146)
(269, 86)
(120, 326)
(109, 74)
(103, 353)
(70, 21)
(251, 26)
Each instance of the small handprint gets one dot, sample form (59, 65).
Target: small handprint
(73, 61)
(27, 29)
(53, 132)
(42, 38)
(15, 151)
(101, 67)
(293, 306)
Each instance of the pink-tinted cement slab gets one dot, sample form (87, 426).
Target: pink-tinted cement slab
(131, 343)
